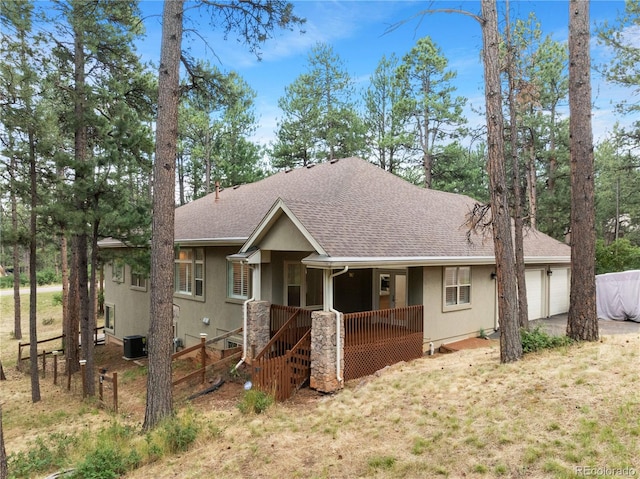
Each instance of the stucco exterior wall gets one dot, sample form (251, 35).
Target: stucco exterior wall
(132, 306)
(441, 327)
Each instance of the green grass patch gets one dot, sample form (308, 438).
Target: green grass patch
(381, 462)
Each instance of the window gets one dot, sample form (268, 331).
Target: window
(457, 287)
(237, 280)
(109, 317)
(189, 272)
(138, 281)
(117, 271)
(293, 284)
(303, 286)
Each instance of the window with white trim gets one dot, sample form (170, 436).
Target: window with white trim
(189, 272)
(138, 281)
(457, 287)
(237, 280)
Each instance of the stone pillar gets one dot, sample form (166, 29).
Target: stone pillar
(258, 327)
(323, 352)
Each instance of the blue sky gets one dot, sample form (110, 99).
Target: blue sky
(356, 31)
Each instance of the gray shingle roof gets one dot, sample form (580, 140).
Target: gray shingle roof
(353, 209)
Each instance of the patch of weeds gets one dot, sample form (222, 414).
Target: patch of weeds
(255, 402)
(537, 339)
(107, 462)
(482, 334)
(453, 423)
(531, 455)
(556, 468)
(420, 445)
(480, 469)
(573, 457)
(442, 471)
(382, 462)
(501, 469)
(56, 299)
(504, 440)
(47, 321)
(42, 457)
(554, 426)
(180, 432)
(133, 374)
(154, 451)
(215, 430)
(474, 441)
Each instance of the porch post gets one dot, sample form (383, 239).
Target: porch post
(258, 327)
(323, 352)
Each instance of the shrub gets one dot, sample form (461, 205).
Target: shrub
(47, 276)
(42, 456)
(56, 300)
(7, 281)
(106, 462)
(254, 401)
(536, 339)
(180, 432)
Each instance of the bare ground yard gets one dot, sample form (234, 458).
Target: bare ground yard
(452, 415)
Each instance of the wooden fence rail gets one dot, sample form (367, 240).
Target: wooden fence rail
(43, 341)
(202, 347)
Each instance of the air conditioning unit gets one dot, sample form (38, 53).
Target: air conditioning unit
(135, 347)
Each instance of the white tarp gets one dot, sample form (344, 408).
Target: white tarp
(618, 295)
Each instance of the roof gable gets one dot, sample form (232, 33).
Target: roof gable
(281, 230)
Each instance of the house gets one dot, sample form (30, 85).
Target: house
(339, 237)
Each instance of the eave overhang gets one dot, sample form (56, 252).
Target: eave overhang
(328, 262)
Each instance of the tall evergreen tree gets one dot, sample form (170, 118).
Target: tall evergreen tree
(388, 109)
(20, 80)
(437, 113)
(215, 121)
(102, 97)
(320, 118)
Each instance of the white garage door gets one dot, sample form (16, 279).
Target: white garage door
(559, 291)
(533, 277)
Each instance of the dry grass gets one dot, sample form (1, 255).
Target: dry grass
(456, 415)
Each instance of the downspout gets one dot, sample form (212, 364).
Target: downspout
(245, 306)
(338, 316)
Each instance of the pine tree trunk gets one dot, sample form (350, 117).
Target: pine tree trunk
(160, 339)
(4, 472)
(33, 280)
(523, 308)
(510, 344)
(71, 326)
(17, 312)
(583, 321)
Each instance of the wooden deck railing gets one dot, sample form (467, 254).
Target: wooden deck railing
(375, 339)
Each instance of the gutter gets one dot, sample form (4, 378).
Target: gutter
(338, 322)
(330, 262)
(244, 331)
